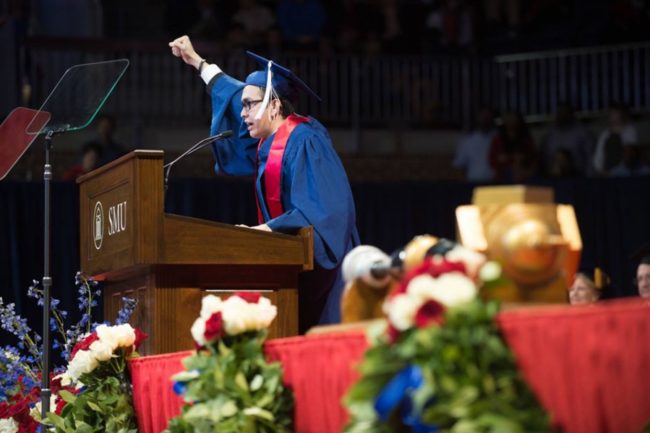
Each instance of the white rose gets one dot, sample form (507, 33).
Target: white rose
(236, 314)
(101, 350)
(490, 271)
(266, 312)
(198, 331)
(471, 259)
(209, 305)
(106, 334)
(401, 310)
(8, 425)
(124, 335)
(421, 287)
(452, 289)
(240, 316)
(83, 362)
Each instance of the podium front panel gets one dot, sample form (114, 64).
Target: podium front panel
(120, 215)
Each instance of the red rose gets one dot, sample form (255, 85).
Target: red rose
(393, 333)
(434, 267)
(19, 408)
(430, 312)
(214, 327)
(439, 267)
(55, 385)
(60, 404)
(4, 409)
(84, 344)
(250, 297)
(139, 338)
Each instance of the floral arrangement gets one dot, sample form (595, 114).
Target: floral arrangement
(440, 364)
(20, 366)
(98, 365)
(228, 385)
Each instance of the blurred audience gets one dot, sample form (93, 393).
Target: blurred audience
(568, 146)
(473, 151)
(106, 126)
(450, 24)
(513, 155)
(620, 132)
(301, 22)
(91, 155)
(631, 164)
(430, 26)
(255, 20)
(562, 165)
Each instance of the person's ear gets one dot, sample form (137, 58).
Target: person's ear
(275, 108)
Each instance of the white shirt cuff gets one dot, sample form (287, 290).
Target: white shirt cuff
(209, 72)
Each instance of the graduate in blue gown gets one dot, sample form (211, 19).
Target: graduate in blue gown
(299, 178)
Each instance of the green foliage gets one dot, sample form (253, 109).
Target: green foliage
(471, 382)
(234, 390)
(105, 404)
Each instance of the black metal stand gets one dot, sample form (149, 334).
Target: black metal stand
(47, 280)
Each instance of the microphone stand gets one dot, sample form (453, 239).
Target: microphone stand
(200, 145)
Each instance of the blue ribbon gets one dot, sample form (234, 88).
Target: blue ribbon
(180, 388)
(398, 392)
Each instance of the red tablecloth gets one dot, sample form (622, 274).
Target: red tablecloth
(590, 367)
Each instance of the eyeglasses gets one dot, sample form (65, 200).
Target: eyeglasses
(247, 104)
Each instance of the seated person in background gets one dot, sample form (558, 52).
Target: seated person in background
(512, 152)
(632, 163)
(642, 279)
(584, 290)
(91, 155)
(570, 136)
(472, 153)
(562, 165)
(619, 133)
(105, 139)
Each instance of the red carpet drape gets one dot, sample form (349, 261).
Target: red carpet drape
(589, 366)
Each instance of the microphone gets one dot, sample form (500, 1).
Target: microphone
(197, 146)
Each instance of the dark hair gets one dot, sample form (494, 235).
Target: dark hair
(286, 107)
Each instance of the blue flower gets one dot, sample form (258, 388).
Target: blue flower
(125, 313)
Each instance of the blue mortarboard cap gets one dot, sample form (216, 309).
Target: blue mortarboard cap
(285, 83)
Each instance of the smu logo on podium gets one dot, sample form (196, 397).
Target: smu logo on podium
(98, 225)
(116, 221)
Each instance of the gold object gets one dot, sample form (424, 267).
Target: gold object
(536, 241)
(415, 251)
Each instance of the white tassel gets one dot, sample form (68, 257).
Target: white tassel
(267, 93)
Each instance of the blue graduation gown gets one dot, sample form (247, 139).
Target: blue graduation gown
(314, 192)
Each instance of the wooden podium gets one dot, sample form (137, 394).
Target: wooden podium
(169, 262)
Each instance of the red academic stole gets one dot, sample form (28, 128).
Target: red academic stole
(273, 168)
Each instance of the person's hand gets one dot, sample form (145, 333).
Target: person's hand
(182, 47)
(262, 227)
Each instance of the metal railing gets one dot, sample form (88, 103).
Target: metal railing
(402, 91)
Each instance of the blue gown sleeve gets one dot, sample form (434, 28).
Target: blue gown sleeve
(236, 155)
(316, 192)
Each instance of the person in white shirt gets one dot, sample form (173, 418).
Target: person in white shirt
(619, 133)
(472, 153)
